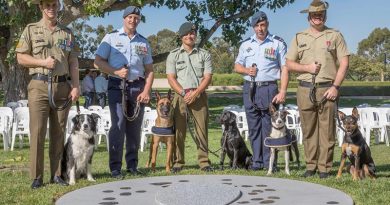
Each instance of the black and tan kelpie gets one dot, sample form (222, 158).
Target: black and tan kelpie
(355, 148)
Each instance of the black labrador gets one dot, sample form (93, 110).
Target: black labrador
(232, 143)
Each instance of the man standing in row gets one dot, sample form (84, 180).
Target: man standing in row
(126, 56)
(320, 55)
(47, 46)
(261, 60)
(189, 72)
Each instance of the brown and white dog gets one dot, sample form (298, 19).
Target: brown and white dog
(162, 131)
(355, 148)
(280, 140)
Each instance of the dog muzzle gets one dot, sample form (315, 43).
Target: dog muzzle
(280, 142)
(163, 131)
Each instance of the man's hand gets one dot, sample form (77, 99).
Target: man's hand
(252, 71)
(122, 72)
(280, 98)
(74, 94)
(50, 62)
(314, 68)
(190, 97)
(144, 97)
(331, 93)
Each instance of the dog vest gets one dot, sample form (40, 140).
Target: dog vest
(163, 131)
(280, 142)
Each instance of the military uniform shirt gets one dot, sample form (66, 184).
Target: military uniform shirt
(268, 55)
(120, 50)
(327, 48)
(40, 42)
(189, 67)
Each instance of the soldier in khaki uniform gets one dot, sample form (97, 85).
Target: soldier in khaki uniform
(319, 52)
(45, 46)
(189, 72)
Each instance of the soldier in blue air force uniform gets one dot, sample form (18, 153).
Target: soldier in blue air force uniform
(261, 61)
(125, 54)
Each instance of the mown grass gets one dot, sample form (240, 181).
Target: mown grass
(15, 182)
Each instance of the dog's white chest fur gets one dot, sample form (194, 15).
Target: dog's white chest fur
(82, 150)
(349, 150)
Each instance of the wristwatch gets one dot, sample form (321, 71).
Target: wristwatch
(183, 93)
(336, 86)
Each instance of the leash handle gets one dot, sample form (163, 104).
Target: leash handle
(253, 77)
(78, 107)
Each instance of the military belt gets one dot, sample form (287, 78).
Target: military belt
(318, 85)
(56, 79)
(263, 83)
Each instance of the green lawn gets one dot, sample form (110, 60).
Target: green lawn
(15, 180)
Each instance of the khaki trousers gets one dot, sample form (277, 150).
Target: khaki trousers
(40, 111)
(199, 110)
(319, 130)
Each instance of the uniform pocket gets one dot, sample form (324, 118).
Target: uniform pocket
(199, 70)
(39, 45)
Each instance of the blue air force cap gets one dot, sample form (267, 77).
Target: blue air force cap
(131, 10)
(259, 16)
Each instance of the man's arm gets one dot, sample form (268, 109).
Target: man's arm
(144, 97)
(74, 74)
(175, 85)
(191, 96)
(28, 61)
(281, 96)
(303, 68)
(332, 92)
(103, 65)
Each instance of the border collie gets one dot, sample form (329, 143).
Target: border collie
(79, 148)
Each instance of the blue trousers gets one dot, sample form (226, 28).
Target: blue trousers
(88, 98)
(259, 121)
(101, 97)
(121, 127)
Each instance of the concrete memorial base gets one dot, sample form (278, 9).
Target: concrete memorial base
(206, 190)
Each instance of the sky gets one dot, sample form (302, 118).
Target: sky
(355, 19)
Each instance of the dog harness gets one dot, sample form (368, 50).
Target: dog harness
(280, 142)
(163, 131)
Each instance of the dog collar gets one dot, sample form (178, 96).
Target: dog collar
(278, 128)
(279, 142)
(163, 131)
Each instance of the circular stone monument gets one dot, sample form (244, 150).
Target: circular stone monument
(206, 190)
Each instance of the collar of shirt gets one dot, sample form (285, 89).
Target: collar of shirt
(195, 49)
(43, 25)
(269, 37)
(121, 31)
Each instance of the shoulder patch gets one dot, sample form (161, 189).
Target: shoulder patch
(280, 39)
(114, 31)
(174, 50)
(142, 36)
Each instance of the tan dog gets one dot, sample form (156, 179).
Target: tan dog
(355, 148)
(162, 132)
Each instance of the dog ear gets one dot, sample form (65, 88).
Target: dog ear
(272, 108)
(76, 119)
(232, 117)
(157, 95)
(95, 117)
(169, 94)
(341, 115)
(355, 112)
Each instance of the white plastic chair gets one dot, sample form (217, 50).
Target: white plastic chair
(293, 123)
(369, 118)
(236, 108)
(6, 118)
(69, 124)
(148, 122)
(20, 125)
(384, 121)
(242, 124)
(23, 103)
(13, 105)
(104, 124)
(95, 108)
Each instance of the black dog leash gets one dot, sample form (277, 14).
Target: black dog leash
(124, 102)
(312, 94)
(51, 95)
(252, 89)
